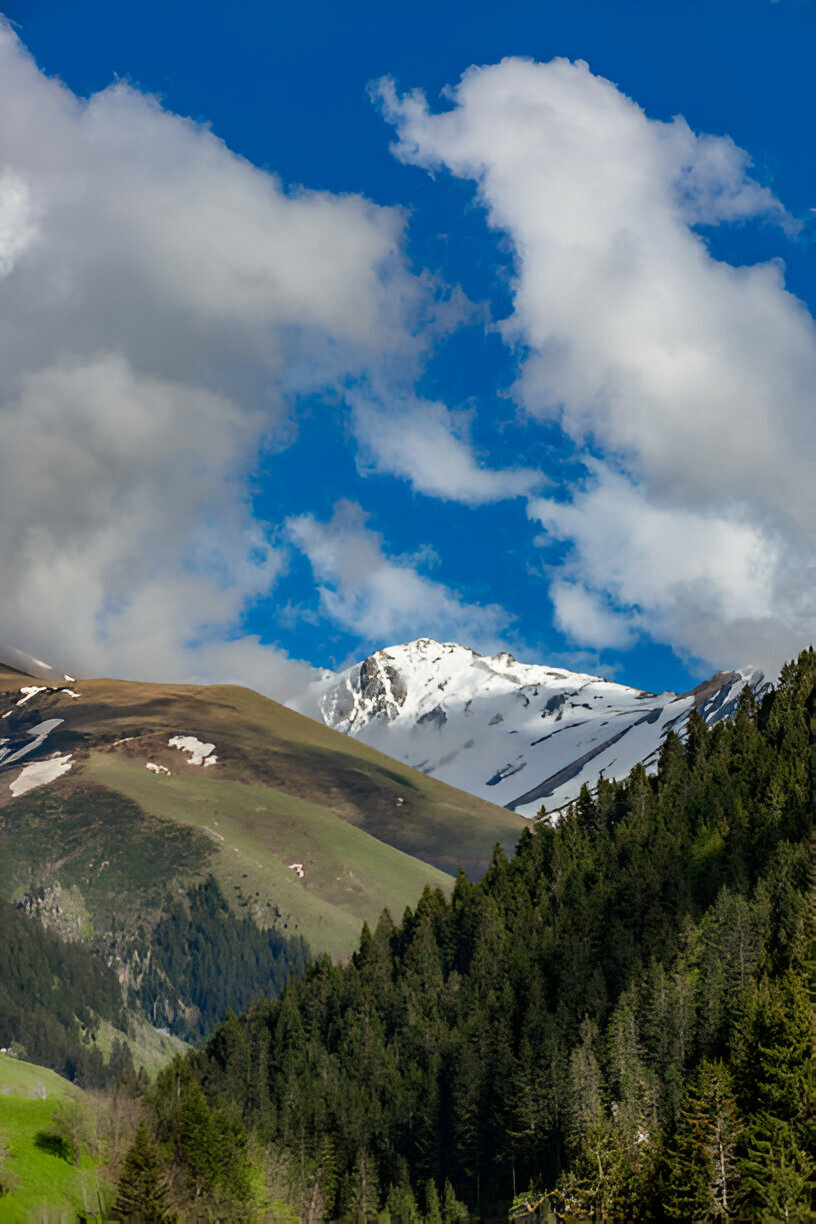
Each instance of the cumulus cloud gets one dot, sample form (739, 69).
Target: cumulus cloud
(162, 299)
(717, 585)
(384, 599)
(159, 298)
(584, 616)
(429, 445)
(693, 377)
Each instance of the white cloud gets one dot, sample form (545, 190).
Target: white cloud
(639, 551)
(716, 584)
(17, 227)
(429, 445)
(123, 546)
(583, 616)
(384, 599)
(694, 377)
(159, 298)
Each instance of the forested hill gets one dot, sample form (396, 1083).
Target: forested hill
(620, 1013)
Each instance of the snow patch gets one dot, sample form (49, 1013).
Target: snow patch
(298, 870)
(199, 752)
(31, 690)
(39, 773)
(157, 769)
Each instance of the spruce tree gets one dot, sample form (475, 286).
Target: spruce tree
(779, 1173)
(433, 1210)
(142, 1192)
(361, 1193)
(703, 1169)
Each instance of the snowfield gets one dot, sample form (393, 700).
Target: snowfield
(39, 773)
(520, 735)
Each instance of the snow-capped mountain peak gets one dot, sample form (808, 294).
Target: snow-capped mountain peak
(521, 735)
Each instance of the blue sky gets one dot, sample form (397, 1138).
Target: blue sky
(526, 365)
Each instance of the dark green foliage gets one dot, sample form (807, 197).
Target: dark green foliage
(207, 1147)
(119, 858)
(52, 996)
(204, 960)
(620, 1012)
(702, 1177)
(142, 1192)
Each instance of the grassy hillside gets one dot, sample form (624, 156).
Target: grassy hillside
(97, 851)
(149, 1047)
(43, 1184)
(19, 1078)
(257, 740)
(256, 833)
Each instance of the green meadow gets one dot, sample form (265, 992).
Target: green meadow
(44, 1186)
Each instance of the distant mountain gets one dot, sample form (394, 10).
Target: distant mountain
(521, 735)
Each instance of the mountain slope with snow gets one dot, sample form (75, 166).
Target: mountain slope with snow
(120, 793)
(520, 735)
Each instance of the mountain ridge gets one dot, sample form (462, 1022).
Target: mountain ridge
(447, 711)
(450, 712)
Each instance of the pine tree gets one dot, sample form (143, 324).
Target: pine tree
(142, 1193)
(453, 1212)
(585, 1109)
(703, 1169)
(433, 1209)
(782, 1053)
(361, 1195)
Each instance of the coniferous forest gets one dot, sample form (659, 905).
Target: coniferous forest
(616, 1023)
(53, 995)
(204, 959)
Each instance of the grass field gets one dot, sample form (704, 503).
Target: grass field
(47, 1187)
(349, 876)
(24, 1079)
